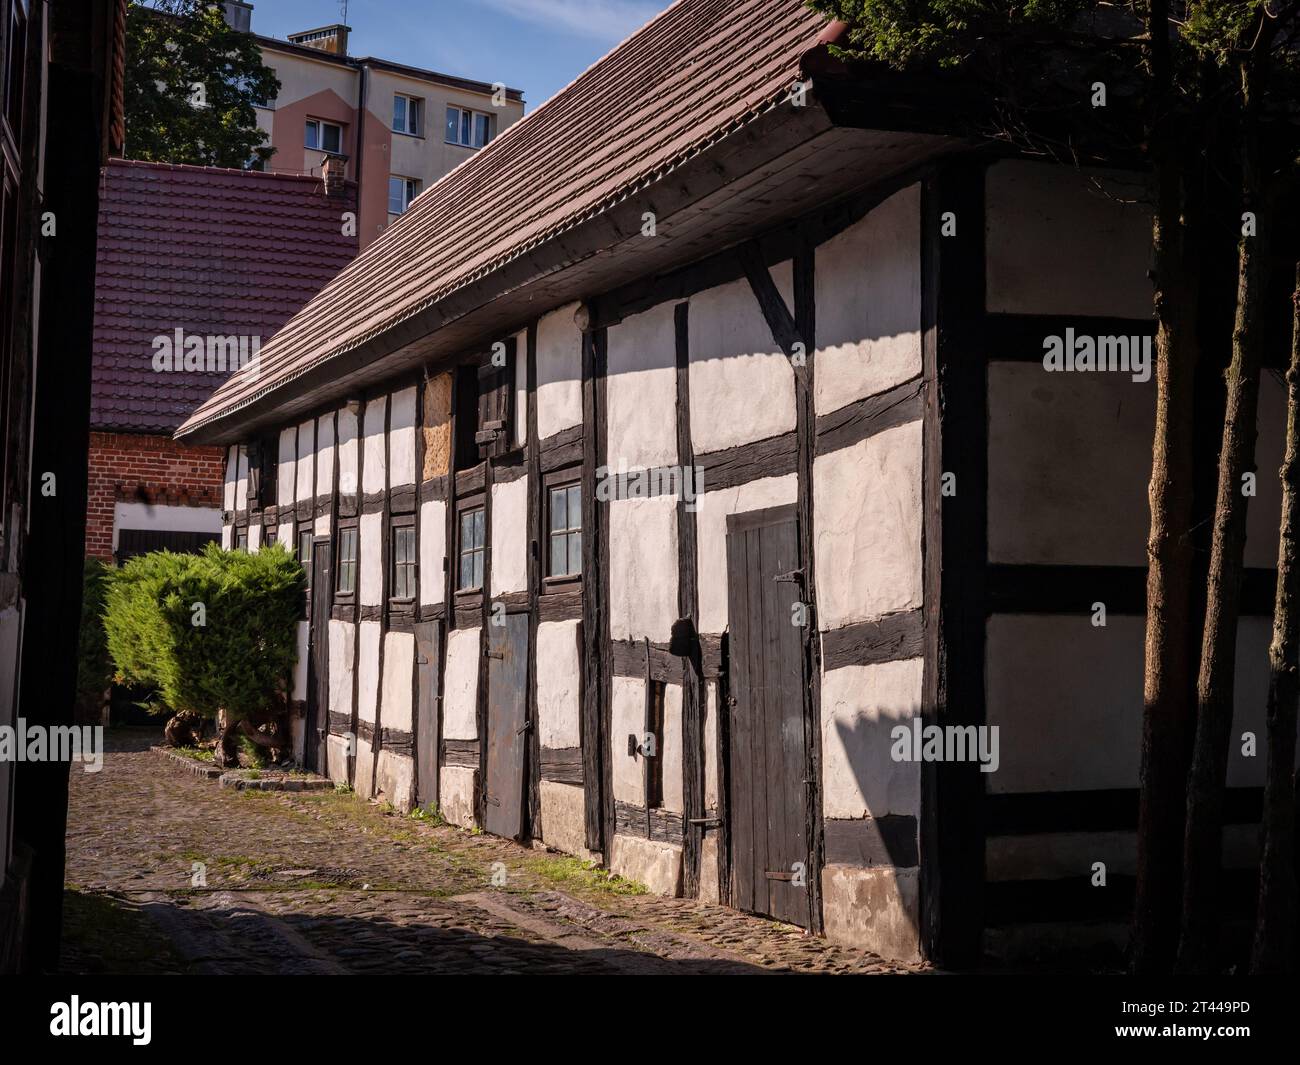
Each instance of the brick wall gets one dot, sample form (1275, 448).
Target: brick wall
(140, 468)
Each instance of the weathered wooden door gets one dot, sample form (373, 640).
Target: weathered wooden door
(428, 665)
(318, 651)
(769, 731)
(503, 795)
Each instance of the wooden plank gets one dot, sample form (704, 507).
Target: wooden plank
(741, 762)
(872, 842)
(428, 668)
(855, 422)
(532, 446)
(1019, 337)
(461, 753)
(773, 456)
(561, 765)
(504, 790)
(593, 656)
(1046, 589)
(890, 639)
(1097, 810)
(563, 605)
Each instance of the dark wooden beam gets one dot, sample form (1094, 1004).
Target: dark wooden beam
(889, 639)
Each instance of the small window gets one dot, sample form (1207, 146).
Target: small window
(472, 129)
(654, 770)
(324, 136)
(241, 539)
(304, 553)
(469, 577)
(564, 558)
(270, 535)
(407, 112)
(401, 191)
(347, 561)
(403, 560)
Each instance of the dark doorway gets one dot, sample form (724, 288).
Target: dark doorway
(318, 656)
(769, 798)
(503, 797)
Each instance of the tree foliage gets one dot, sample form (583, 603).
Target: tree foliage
(94, 666)
(210, 632)
(191, 86)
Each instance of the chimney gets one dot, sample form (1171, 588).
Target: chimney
(238, 15)
(332, 39)
(332, 172)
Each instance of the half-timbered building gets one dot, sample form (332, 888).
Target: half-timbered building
(675, 460)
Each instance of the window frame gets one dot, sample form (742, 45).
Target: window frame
(569, 477)
(414, 115)
(469, 505)
(473, 126)
(309, 531)
(350, 528)
(319, 146)
(411, 189)
(401, 523)
(240, 541)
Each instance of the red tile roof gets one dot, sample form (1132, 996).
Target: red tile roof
(210, 251)
(694, 74)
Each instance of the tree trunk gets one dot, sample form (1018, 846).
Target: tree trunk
(226, 752)
(1214, 684)
(1167, 703)
(1276, 915)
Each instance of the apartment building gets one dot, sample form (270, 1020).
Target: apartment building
(398, 128)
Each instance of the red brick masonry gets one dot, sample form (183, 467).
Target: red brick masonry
(142, 468)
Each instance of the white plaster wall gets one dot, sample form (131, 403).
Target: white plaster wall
(868, 292)
(254, 537)
(1064, 241)
(641, 390)
(510, 536)
(232, 473)
(241, 480)
(564, 818)
(374, 466)
(325, 445)
(559, 709)
(742, 383)
(867, 520)
(433, 547)
(519, 406)
(711, 775)
(559, 371)
(342, 662)
(285, 475)
(711, 538)
(347, 457)
(460, 686)
(368, 671)
(401, 438)
(300, 666)
(860, 705)
(164, 516)
(227, 537)
(284, 532)
(1069, 464)
(672, 749)
(643, 567)
(457, 785)
(370, 559)
(627, 717)
(399, 672)
(305, 468)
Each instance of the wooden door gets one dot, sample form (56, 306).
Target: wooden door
(769, 731)
(318, 652)
(428, 665)
(503, 795)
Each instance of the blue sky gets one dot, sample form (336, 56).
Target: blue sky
(535, 45)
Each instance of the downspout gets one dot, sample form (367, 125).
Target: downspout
(361, 121)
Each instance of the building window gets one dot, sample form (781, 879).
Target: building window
(270, 536)
(472, 129)
(241, 539)
(407, 114)
(324, 136)
(404, 558)
(347, 561)
(469, 577)
(564, 555)
(401, 191)
(304, 553)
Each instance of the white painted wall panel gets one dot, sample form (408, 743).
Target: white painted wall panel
(867, 518)
(627, 717)
(460, 686)
(742, 383)
(254, 537)
(303, 632)
(510, 536)
(1065, 241)
(643, 567)
(232, 474)
(433, 546)
(672, 749)
(285, 474)
(401, 438)
(641, 387)
(860, 706)
(241, 480)
(711, 537)
(343, 658)
(559, 371)
(370, 560)
(374, 466)
(711, 775)
(399, 671)
(305, 469)
(368, 671)
(868, 292)
(348, 458)
(559, 709)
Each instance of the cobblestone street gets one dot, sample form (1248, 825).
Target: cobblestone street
(324, 882)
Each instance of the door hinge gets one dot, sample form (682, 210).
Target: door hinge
(494, 654)
(523, 728)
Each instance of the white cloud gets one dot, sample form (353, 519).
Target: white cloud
(610, 20)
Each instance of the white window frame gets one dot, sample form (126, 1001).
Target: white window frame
(414, 115)
(460, 138)
(319, 146)
(410, 190)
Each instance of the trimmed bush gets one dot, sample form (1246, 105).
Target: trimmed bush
(94, 666)
(211, 632)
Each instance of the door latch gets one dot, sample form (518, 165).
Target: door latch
(523, 728)
(795, 576)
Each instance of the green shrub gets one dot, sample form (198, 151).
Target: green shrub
(240, 656)
(94, 666)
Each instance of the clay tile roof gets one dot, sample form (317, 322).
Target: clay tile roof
(693, 74)
(210, 251)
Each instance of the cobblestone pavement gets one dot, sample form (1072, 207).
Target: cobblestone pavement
(324, 882)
